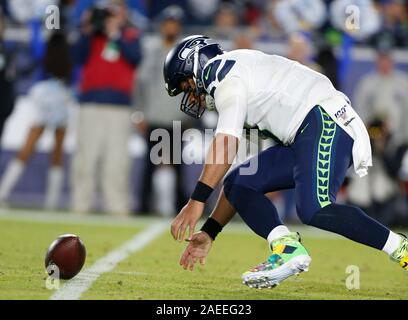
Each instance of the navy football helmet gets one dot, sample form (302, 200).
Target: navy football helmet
(187, 60)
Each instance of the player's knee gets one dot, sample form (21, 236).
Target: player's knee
(231, 178)
(306, 213)
(235, 184)
(229, 183)
(234, 178)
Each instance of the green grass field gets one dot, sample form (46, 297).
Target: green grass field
(154, 273)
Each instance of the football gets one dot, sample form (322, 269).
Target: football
(68, 254)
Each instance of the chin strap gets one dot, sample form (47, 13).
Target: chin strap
(196, 77)
(195, 62)
(209, 102)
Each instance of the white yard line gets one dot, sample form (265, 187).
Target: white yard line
(74, 288)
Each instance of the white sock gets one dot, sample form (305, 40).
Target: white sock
(164, 185)
(54, 187)
(10, 178)
(392, 244)
(277, 232)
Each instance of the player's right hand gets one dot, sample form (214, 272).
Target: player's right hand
(197, 250)
(187, 218)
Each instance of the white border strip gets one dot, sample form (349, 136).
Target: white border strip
(73, 289)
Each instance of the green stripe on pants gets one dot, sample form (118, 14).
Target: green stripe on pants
(324, 158)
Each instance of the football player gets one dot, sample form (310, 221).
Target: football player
(319, 137)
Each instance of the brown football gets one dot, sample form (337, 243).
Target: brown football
(67, 253)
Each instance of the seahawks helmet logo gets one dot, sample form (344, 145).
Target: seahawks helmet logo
(189, 47)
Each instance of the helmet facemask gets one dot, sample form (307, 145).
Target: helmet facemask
(182, 71)
(196, 106)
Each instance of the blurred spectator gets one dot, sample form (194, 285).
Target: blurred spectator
(159, 112)
(202, 12)
(25, 55)
(243, 41)
(137, 11)
(109, 51)
(156, 7)
(327, 61)
(226, 22)
(378, 193)
(383, 94)
(297, 15)
(3, 10)
(138, 14)
(252, 13)
(50, 98)
(358, 18)
(300, 50)
(6, 79)
(267, 25)
(394, 22)
(25, 11)
(67, 18)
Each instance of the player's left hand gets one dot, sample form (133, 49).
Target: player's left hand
(197, 250)
(187, 218)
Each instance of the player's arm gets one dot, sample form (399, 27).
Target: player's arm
(223, 211)
(222, 152)
(232, 108)
(200, 244)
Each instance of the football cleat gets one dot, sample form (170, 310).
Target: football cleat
(401, 254)
(289, 257)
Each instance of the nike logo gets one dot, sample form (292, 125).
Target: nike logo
(208, 73)
(304, 128)
(405, 265)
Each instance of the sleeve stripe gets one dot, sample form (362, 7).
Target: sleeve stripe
(225, 69)
(209, 73)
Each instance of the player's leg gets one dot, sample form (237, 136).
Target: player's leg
(164, 190)
(146, 198)
(246, 194)
(16, 166)
(31, 141)
(55, 178)
(117, 161)
(323, 153)
(89, 143)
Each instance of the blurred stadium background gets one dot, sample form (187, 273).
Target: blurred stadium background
(361, 45)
